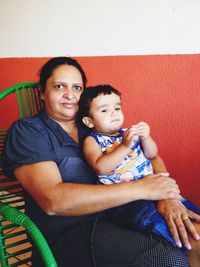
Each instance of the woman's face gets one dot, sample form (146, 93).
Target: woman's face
(62, 93)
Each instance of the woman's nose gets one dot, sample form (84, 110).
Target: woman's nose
(68, 93)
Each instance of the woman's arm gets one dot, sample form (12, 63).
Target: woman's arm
(43, 182)
(158, 165)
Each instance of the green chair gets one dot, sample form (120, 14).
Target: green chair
(15, 248)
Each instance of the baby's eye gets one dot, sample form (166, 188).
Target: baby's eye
(104, 110)
(118, 108)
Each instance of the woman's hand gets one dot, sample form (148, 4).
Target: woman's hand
(178, 220)
(157, 186)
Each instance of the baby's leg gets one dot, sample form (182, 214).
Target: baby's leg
(142, 215)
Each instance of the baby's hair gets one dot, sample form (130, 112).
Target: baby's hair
(92, 92)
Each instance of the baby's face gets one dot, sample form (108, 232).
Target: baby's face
(106, 114)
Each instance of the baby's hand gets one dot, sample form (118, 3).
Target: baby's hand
(142, 130)
(129, 137)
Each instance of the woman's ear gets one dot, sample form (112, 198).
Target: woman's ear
(42, 96)
(88, 122)
(41, 92)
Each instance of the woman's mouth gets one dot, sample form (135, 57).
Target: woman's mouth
(68, 105)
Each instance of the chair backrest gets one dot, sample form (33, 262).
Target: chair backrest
(29, 103)
(15, 249)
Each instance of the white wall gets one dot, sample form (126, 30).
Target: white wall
(39, 28)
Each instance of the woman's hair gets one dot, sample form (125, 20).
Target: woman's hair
(92, 92)
(48, 68)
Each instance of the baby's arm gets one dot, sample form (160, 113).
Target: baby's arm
(149, 146)
(105, 163)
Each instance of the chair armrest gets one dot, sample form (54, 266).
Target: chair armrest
(13, 215)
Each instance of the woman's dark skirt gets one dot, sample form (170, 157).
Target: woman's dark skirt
(104, 244)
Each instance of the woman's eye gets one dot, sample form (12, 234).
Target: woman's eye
(78, 88)
(59, 86)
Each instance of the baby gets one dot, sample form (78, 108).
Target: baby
(118, 155)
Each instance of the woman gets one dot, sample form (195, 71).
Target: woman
(62, 197)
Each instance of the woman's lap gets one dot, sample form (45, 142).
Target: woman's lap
(108, 245)
(115, 246)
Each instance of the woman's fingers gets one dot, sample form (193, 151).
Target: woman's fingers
(174, 231)
(178, 219)
(185, 227)
(190, 226)
(160, 187)
(172, 211)
(193, 216)
(181, 227)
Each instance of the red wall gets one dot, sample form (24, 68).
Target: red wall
(162, 90)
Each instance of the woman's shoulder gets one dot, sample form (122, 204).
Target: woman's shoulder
(27, 142)
(28, 130)
(28, 124)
